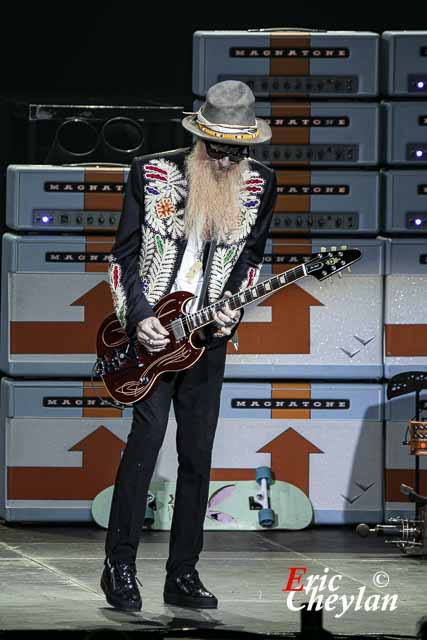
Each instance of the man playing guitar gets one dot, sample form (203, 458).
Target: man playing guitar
(175, 203)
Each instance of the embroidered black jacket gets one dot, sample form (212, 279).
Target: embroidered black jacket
(150, 240)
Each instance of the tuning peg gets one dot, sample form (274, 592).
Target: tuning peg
(349, 269)
(339, 274)
(333, 248)
(323, 249)
(344, 246)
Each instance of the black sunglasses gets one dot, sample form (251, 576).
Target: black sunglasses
(235, 152)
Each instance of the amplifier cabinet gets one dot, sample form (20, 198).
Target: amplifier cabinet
(405, 318)
(60, 446)
(404, 201)
(318, 202)
(325, 438)
(319, 134)
(322, 64)
(54, 296)
(312, 329)
(404, 63)
(406, 129)
(56, 198)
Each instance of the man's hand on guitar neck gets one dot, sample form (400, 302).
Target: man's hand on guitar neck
(226, 319)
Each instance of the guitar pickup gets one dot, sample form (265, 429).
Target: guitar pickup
(178, 329)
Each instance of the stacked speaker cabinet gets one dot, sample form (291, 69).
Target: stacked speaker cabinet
(60, 448)
(54, 295)
(404, 87)
(318, 90)
(305, 392)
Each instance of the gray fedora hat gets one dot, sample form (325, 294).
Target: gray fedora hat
(228, 116)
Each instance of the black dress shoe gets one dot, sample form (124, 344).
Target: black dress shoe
(187, 590)
(118, 582)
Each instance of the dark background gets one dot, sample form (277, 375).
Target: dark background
(144, 48)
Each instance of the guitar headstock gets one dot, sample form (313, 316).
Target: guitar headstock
(330, 261)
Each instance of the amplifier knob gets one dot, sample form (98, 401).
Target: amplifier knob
(101, 220)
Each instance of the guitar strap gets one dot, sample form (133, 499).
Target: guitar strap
(207, 273)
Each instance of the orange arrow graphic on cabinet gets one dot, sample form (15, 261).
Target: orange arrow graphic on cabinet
(101, 457)
(406, 339)
(290, 458)
(290, 461)
(65, 337)
(289, 330)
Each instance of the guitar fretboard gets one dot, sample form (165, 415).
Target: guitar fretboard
(204, 316)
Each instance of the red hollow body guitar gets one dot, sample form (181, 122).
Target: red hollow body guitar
(129, 372)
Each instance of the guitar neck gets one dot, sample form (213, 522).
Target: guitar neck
(205, 315)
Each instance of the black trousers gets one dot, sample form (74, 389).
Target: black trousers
(196, 394)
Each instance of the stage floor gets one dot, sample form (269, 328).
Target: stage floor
(49, 576)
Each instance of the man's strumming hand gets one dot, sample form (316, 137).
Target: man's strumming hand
(152, 334)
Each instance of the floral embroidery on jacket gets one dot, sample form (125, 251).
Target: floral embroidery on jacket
(157, 263)
(117, 291)
(165, 194)
(223, 263)
(165, 189)
(252, 277)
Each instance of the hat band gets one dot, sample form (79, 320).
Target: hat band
(227, 136)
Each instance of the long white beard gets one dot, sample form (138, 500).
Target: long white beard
(213, 203)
